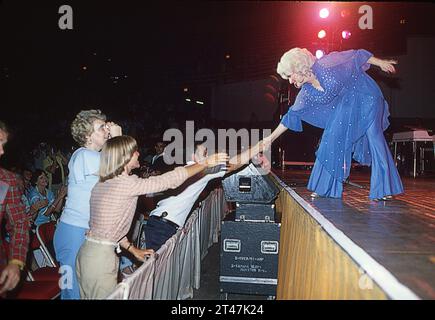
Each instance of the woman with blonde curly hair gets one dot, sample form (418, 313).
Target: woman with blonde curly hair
(90, 130)
(295, 66)
(338, 96)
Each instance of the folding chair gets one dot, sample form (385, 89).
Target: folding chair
(43, 274)
(44, 236)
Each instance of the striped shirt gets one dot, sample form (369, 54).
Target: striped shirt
(113, 202)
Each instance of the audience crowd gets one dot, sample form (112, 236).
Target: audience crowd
(93, 194)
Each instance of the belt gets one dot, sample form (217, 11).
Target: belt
(107, 243)
(169, 222)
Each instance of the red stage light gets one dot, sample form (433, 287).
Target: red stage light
(319, 54)
(324, 13)
(321, 34)
(346, 34)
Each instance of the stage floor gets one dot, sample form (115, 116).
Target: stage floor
(398, 234)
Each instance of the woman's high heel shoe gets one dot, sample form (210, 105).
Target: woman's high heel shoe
(385, 198)
(380, 199)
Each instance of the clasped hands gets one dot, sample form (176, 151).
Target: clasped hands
(255, 153)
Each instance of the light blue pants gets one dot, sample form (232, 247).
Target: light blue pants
(67, 242)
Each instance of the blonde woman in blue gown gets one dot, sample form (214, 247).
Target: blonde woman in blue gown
(337, 95)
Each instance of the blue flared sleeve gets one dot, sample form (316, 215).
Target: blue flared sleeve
(292, 119)
(351, 58)
(308, 107)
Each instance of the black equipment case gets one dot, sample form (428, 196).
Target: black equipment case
(250, 235)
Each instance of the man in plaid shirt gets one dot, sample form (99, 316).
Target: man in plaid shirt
(17, 222)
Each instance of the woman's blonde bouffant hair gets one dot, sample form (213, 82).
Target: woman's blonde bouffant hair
(82, 126)
(116, 154)
(296, 60)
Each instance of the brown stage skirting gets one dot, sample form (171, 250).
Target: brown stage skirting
(355, 248)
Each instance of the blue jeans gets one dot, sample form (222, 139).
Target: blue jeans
(67, 242)
(157, 232)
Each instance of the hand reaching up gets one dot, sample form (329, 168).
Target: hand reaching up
(114, 129)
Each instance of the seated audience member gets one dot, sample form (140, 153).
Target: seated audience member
(39, 154)
(113, 203)
(47, 202)
(157, 163)
(27, 177)
(55, 168)
(31, 211)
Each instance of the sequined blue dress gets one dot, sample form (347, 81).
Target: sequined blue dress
(353, 113)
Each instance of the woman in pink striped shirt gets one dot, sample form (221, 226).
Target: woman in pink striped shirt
(113, 203)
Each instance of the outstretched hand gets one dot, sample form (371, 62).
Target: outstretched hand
(264, 162)
(264, 144)
(388, 66)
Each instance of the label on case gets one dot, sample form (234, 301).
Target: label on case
(269, 247)
(232, 245)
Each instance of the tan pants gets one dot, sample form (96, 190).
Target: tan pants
(97, 270)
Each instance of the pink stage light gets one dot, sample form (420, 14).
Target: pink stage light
(324, 13)
(319, 54)
(321, 34)
(346, 34)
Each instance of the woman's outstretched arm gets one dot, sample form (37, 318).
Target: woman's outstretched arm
(267, 142)
(385, 65)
